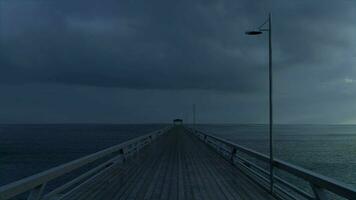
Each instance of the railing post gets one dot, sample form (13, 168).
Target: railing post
(123, 152)
(233, 155)
(140, 146)
(37, 192)
(319, 193)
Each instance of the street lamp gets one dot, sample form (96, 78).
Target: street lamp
(259, 31)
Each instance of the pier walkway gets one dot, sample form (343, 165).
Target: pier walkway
(177, 166)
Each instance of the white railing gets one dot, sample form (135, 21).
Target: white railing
(320, 186)
(35, 185)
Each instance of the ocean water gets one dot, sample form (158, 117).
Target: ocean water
(329, 150)
(28, 149)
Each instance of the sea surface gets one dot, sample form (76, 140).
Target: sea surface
(28, 149)
(329, 150)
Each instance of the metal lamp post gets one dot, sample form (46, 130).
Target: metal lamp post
(259, 31)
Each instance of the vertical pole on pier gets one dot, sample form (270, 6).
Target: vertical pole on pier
(270, 101)
(259, 31)
(194, 116)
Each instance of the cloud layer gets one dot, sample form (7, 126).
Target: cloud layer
(179, 45)
(185, 46)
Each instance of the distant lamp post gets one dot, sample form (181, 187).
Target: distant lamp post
(259, 31)
(194, 122)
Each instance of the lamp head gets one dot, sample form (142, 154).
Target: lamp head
(255, 32)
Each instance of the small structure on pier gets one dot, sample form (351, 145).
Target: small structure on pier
(177, 122)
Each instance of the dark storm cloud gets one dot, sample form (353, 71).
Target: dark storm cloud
(312, 31)
(173, 48)
(166, 45)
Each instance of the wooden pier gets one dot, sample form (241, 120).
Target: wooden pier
(174, 163)
(177, 166)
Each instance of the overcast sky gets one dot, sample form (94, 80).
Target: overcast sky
(139, 61)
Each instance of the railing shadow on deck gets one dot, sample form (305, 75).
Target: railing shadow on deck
(321, 187)
(34, 187)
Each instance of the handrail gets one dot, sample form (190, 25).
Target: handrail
(35, 181)
(319, 183)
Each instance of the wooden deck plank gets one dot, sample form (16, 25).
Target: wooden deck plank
(218, 190)
(146, 164)
(90, 189)
(140, 187)
(157, 191)
(154, 182)
(168, 179)
(174, 178)
(217, 173)
(180, 179)
(199, 190)
(176, 166)
(120, 183)
(109, 185)
(227, 172)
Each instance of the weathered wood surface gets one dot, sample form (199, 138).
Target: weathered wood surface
(176, 166)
